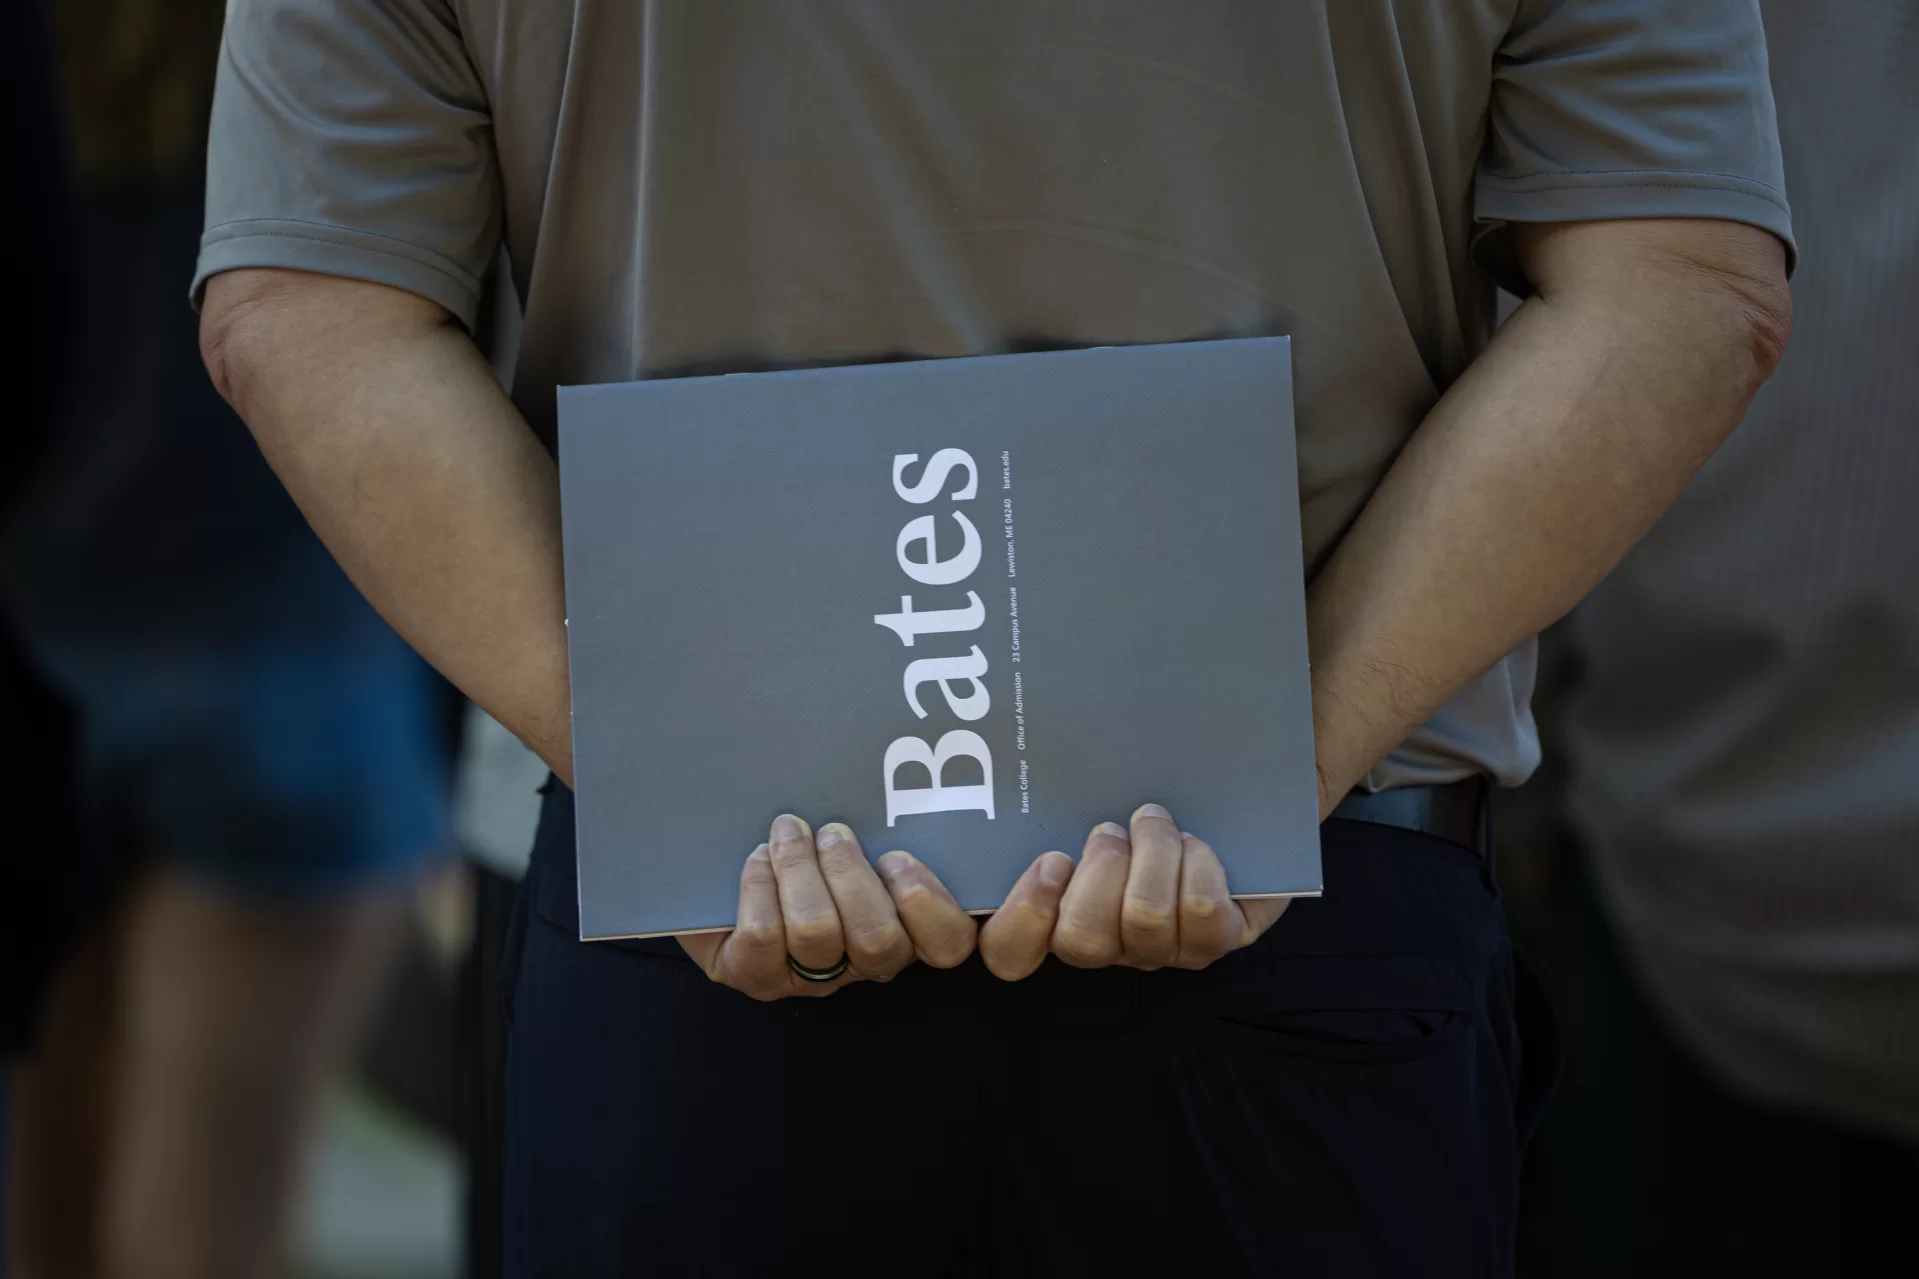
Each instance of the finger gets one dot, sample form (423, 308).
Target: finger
(1210, 921)
(1149, 911)
(1014, 941)
(877, 946)
(702, 948)
(1087, 934)
(798, 987)
(1261, 914)
(942, 934)
(751, 958)
(812, 924)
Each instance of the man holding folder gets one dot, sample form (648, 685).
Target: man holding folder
(684, 188)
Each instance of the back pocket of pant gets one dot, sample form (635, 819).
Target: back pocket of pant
(1351, 1035)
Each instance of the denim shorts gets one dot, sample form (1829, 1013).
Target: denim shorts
(272, 760)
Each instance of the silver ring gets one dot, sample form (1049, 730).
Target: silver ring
(804, 973)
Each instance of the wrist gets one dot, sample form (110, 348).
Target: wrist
(1329, 794)
(1346, 745)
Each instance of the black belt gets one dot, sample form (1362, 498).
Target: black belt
(1457, 811)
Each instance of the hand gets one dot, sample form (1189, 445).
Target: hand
(1154, 897)
(819, 899)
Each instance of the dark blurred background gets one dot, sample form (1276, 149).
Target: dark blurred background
(256, 850)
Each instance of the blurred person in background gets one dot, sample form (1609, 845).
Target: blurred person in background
(261, 757)
(1742, 750)
(39, 904)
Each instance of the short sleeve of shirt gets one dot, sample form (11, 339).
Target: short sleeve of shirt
(352, 138)
(1629, 109)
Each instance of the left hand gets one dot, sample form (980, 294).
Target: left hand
(1150, 897)
(813, 899)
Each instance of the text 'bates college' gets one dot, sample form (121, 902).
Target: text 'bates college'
(958, 676)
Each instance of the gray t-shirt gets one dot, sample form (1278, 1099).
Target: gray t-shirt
(1745, 750)
(700, 187)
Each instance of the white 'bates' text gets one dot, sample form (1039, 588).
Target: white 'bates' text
(958, 678)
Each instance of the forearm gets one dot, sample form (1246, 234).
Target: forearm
(379, 415)
(1530, 479)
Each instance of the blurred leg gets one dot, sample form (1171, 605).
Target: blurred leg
(235, 1015)
(60, 1102)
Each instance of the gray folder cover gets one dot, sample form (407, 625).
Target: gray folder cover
(970, 607)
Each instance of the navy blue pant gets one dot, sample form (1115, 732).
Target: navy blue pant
(1348, 1097)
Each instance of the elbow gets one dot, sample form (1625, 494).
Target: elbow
(1717, 288)
(1774, 329)
(216, 351)
(259, 323)
(1747, 301)
(1759, 315)
(228, 314)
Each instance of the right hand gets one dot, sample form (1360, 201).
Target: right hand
(1152, 897)
(817, 899)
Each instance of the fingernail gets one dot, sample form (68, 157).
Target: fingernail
(1151, 810)
(833, 833)
(896, 861)
(786, 826)
(1186, 834)
(1110, 828)
(1055, 869)
(760, 854)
